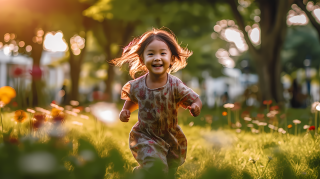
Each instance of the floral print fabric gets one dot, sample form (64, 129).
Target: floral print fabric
(156, 135)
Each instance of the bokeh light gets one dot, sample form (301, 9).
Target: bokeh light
(55, 42)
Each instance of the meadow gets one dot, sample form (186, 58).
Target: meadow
(84, 147)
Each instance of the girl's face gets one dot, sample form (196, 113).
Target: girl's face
(157, 57)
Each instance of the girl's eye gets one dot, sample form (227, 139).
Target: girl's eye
(150, 53)
(163, 53)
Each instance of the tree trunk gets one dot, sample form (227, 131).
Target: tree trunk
(75, 63)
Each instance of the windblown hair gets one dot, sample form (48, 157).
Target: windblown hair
(133, 53)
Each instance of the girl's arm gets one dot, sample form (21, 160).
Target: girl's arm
(127, 108)
(195, 107)
(131, 106)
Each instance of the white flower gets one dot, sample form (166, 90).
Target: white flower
(306, 127)
(283, 132)
(238, 124)
(31, 111)
(1, 104)
(191, 123)
(314, 106)
(262, 124)
(228, 105)
(74, 103)
(271, 126)
(255, 121)
(296, 121)
(280, 130)
(238, 130)
(270, 115)
(247, 119)
(250, 125)
(38, 163)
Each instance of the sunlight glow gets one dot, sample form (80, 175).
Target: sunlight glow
(224, 59)
(297, 20)
(55, 42)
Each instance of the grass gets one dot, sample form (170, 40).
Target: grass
(214, 150)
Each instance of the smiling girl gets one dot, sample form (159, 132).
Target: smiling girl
(157, 94)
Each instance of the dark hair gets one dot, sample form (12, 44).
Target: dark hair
(133, 52)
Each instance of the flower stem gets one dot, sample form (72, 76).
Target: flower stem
(265, 168)
(295, 129)
(257, 169)
(315, 121)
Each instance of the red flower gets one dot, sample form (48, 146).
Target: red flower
(17, 72)
(40, 118)
(260, 116)
(312, 128)
(14, 104)
(53, 102)
(267, 102)
(273, 108)
(36, 72)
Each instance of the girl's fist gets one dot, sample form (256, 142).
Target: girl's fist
(124, 115)
(194, 109)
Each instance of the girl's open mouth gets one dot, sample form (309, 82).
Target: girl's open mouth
(157, 66)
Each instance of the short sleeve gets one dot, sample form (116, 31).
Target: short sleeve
(185, 96)
(125, 92)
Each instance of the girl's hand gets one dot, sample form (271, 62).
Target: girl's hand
(124, 115)
(194, 109)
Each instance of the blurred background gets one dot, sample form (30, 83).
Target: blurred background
(243, 51)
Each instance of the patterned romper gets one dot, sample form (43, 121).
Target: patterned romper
(156, 135)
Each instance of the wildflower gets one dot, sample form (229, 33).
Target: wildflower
(269, 158)
(84, 116)
(313, 106)
(306, 127)
(228, 105)
(57, 115)
(1, 104)
(260, 116)
(247, 119)
(280, 130)
(87, 109)
(6, 94)
(238, 130)
(20, 116)
(17, 72)
(31, 111)
(238, 124)
(191, 123)
(283, 132)
(289, 126)
(252, 160)
(270, 115)
(245, 114)
(267, 102)
(312, 128)
(262, 124)
(271, 126)
(250, 125)
(255, 121)
(39, 120)
(224, 113)
(296, 121)
(74, 103)
(274, 108)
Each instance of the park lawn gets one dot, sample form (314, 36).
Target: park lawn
(214, 150)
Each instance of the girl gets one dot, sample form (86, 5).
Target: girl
(156, 136)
